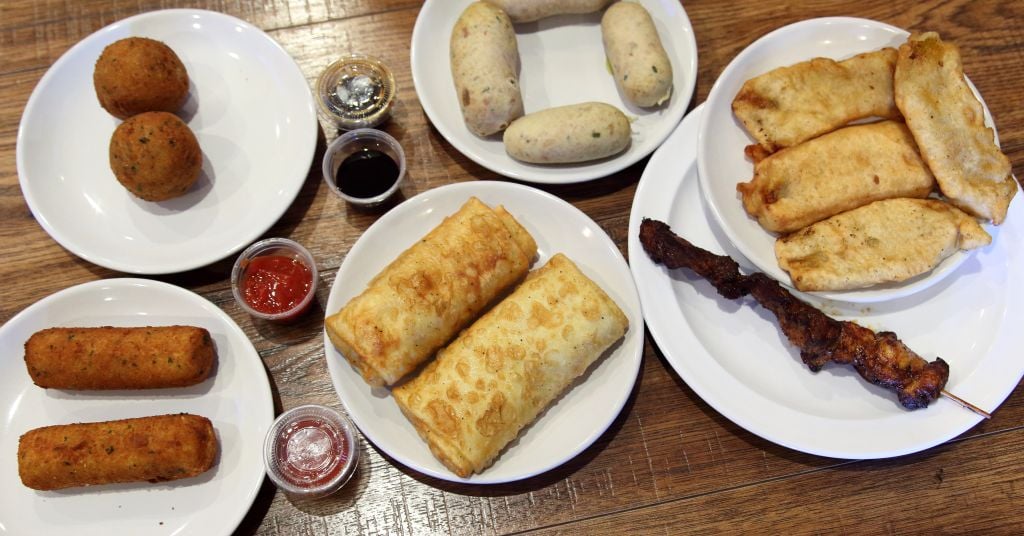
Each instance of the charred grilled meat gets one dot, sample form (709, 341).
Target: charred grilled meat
(879, 358)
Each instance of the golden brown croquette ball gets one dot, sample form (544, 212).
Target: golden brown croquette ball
(155, 156)
(138, 74)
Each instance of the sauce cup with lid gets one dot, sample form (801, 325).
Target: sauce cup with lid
(357, 91)
(311, 451)
(275, 279)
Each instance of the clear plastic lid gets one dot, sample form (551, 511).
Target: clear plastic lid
(311, 451)
(356, 91)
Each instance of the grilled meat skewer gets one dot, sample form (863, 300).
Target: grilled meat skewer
(879, 358)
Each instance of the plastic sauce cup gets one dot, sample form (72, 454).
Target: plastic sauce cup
(311, 451)
(275, 279)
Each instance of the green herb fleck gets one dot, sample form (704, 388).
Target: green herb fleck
(595, 134)
(653, 68)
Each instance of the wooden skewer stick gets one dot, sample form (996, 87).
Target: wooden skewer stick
(966, 404)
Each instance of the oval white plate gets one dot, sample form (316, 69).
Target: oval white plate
(562, 62)
(579, 417)
(733, 355)
(722, 138)
(236, 398)
(248, 105)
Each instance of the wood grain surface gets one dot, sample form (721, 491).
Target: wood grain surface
(669, 464)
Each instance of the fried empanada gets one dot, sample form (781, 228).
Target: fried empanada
(886, 241)
(789, 105)
(839, 171)
(948, 123)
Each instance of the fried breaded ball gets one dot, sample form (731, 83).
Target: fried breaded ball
(155, 156)
(138, 74)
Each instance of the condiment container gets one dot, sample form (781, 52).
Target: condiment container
(311, 451)
(364, 166)
(357, 91)
(275, 279)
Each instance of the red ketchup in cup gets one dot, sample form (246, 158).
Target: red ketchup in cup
(275, 279)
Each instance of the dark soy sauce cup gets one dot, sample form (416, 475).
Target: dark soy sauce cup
(364, 166)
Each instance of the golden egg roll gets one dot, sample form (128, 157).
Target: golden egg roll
(119, 358)
(154, 449)
(431, 291)
(503, 371)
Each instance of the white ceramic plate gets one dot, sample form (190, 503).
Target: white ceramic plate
(578, 418)
(250, 108)
(562, 62)
(722, 138)
(733, 355)
(236, 398)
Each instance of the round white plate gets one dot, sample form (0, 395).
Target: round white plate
(579, 417)
(733, 355)
(562, 62)
(722, 138)
(248, 105)
(236, 398)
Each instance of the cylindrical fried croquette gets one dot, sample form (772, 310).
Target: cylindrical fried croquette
(119, 358)
(154, 449)
(137, 74)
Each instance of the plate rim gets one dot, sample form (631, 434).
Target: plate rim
(632, 309)
(123, 265)
(199, 303)
(596, 173)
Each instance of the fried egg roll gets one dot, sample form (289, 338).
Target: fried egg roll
(789, 105)
(839, 171)
(431, 291)
(154, 449)
(119, 358)
(503, 371)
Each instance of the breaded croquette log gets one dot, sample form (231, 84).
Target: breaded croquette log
(119, 358)
(789, 105)
(531, 10)
(154, 449)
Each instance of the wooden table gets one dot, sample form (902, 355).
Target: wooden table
(669, 463)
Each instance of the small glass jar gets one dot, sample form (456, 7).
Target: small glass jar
(364, 167)
(311, 451)
(357, 91)
(275, 279)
